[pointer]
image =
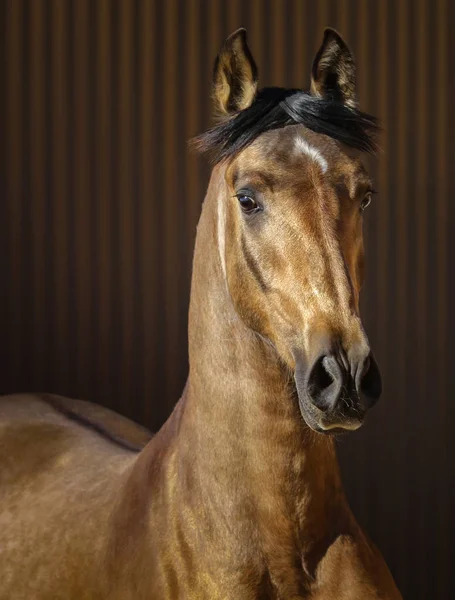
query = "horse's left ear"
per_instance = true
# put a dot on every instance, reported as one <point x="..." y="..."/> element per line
<point x="234" y="75"/>
<point x="333" y="71"/>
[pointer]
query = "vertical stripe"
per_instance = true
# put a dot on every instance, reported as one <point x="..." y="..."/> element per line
<point x="170" y="224"/>
<point x="81" y="237"/>
<point x="60" y="133"/>
<point x="92" y="214"/>
<point x="26" y="298"/>
<point x="126" y="266"/>
<point x="421" y="140"/>
<point x="277" y="42"/>
<point x="115" y="323"/>
<point x="37" y="135"/>
<point x="401" y="216"/>
<point x="49" y="271"/>
<point x="137" y="307"/>
<point x="344" y="21"/>
<point x="103" y="197"/>
<point x="14" y="155"/>
<point x="149" y="247"/>
<point x="300" y="76"/>
<point x="443" y="364"/>
<point x="257" y="37"/>
<point x="233" y="16"/>
<point x="322" y="17"/>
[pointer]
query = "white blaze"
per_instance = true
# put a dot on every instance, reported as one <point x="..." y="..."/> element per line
<point x="312" y="152"/>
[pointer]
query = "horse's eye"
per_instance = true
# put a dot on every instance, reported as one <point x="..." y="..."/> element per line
<point x="366" y="201"/>
<point x="248" y="204"/>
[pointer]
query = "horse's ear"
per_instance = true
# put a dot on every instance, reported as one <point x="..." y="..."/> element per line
<point x="333" y="71"/>
<point x="234" y="75"/>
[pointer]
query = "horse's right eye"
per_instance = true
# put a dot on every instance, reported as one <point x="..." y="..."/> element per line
<point x="247" y="203"/>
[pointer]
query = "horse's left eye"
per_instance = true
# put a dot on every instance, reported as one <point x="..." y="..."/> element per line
<point x="366" y="201"/>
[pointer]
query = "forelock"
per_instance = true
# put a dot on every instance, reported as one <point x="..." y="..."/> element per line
<point x="275" y="108"/>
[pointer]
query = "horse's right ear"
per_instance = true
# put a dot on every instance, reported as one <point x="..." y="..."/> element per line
<point x="333" y="71"/>
<point x="234" y="76"/>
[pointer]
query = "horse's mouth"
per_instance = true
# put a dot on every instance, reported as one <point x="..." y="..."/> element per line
<point x="331" y="423"/>
<point x="339" y="427"/>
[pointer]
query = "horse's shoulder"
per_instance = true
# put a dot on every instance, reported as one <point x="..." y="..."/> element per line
<point x="110" y="425"/>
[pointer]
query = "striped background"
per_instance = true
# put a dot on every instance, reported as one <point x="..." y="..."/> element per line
<point x="101" y="201"/>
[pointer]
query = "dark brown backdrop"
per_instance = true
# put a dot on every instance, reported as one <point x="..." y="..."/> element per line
<point x="101" y="200"/>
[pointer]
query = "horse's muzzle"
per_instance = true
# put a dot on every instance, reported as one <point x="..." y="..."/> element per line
<point x="335" y="391"/>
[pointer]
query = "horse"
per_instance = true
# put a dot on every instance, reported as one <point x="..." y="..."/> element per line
<point x="238" y="496"/>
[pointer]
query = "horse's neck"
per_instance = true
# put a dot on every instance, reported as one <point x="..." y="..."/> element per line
<point x="235" y="487"/>
<point x="249" y="445"/>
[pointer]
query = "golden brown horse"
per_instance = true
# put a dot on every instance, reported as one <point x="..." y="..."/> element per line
<point x="238" y="496"/>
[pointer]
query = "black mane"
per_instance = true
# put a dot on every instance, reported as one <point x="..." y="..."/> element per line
<point x="274" y="108"/>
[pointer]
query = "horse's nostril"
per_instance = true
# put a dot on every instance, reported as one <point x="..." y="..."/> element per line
<point x="366" y="367"/>
<point x="370" y="380"/>
<point x="337" y="389"/>
<point x="320" y="378"/>
<point x="321" y="382"/>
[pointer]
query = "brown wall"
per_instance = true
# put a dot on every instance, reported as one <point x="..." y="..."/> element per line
<point x="101" y="201"/>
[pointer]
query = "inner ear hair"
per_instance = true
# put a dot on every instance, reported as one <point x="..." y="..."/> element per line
<point x="333" y="75"/>
<point x="234" y="76"/>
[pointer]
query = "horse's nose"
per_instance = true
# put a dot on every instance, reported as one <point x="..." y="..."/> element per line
<point x="336" y="384"/>
<point x="368" y="381"/>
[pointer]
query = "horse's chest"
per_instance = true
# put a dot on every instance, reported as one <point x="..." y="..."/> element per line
<point x="211" y="580"/>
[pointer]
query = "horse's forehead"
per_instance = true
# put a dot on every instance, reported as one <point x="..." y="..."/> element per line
<point x="298" y="149"/>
